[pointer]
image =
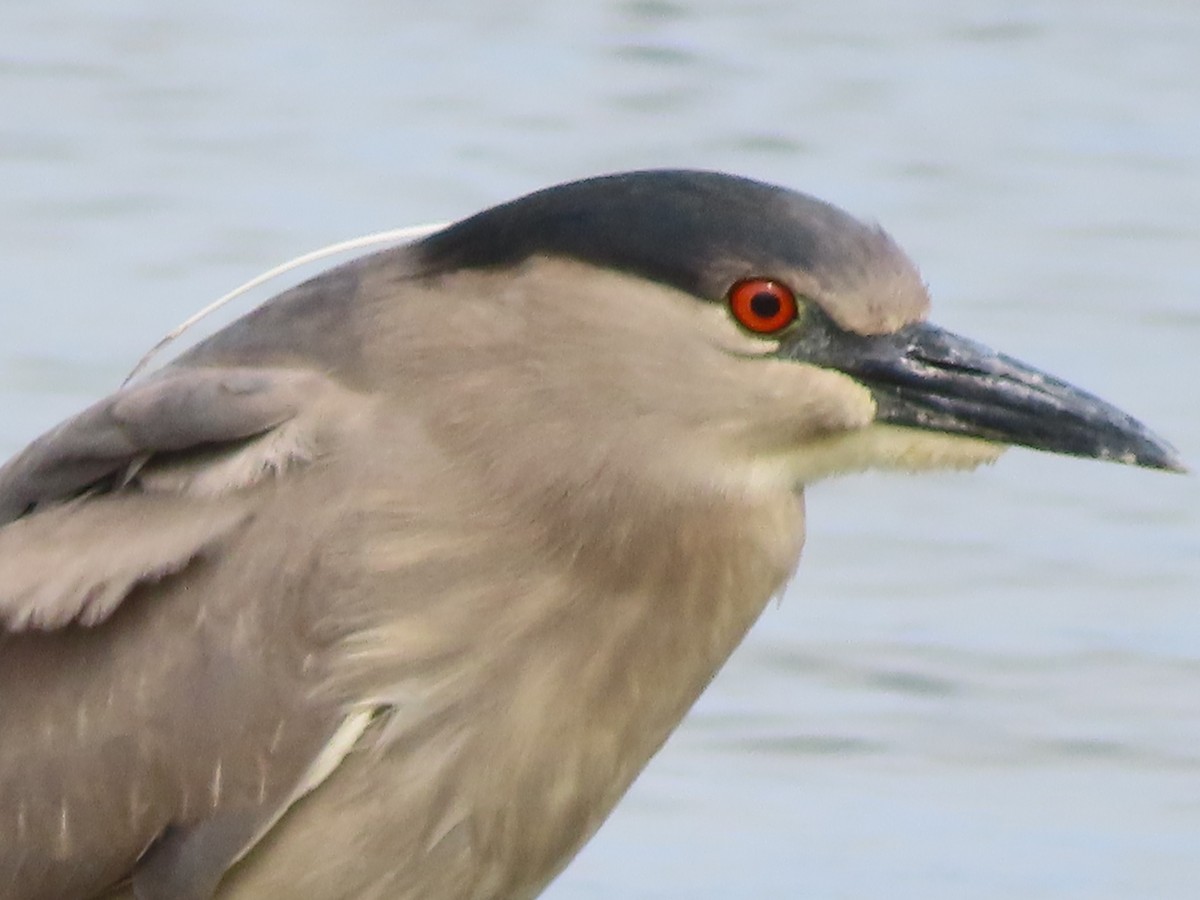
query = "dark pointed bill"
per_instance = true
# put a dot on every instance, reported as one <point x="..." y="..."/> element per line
<point x="925" y="377"/>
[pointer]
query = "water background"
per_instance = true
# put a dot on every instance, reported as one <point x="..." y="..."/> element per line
<point x="979" y="686"/>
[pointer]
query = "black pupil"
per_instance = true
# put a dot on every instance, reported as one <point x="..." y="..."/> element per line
<point x="765" y="305"/>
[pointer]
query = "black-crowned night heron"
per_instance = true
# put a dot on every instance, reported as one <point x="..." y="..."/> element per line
<point x="390" y="588"/>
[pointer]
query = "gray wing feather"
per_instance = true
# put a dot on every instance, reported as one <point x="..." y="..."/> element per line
<point x="77" y="562"/>
<point x="130" y="494"/>
<point x="189" y="863"/>
<point x="92" y="509"/>
<point x="179" y="410"/>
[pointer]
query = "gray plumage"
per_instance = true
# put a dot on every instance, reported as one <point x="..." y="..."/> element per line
<point x="392" y="587"/>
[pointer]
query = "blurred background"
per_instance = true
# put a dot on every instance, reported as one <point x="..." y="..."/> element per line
<point x="982" y="686"/>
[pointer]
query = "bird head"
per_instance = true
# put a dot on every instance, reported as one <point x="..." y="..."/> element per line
<point x="788" y="333"/>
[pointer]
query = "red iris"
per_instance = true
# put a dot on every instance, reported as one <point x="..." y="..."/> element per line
<point x="762" y="305"/>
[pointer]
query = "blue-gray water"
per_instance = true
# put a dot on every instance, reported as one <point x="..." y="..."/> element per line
<point x="979" y="686"/>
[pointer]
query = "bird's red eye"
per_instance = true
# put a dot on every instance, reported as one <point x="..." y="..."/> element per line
<point x="762" y="305"/>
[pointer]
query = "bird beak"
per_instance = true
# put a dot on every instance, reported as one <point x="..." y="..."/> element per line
<point x="925" y="377"/>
